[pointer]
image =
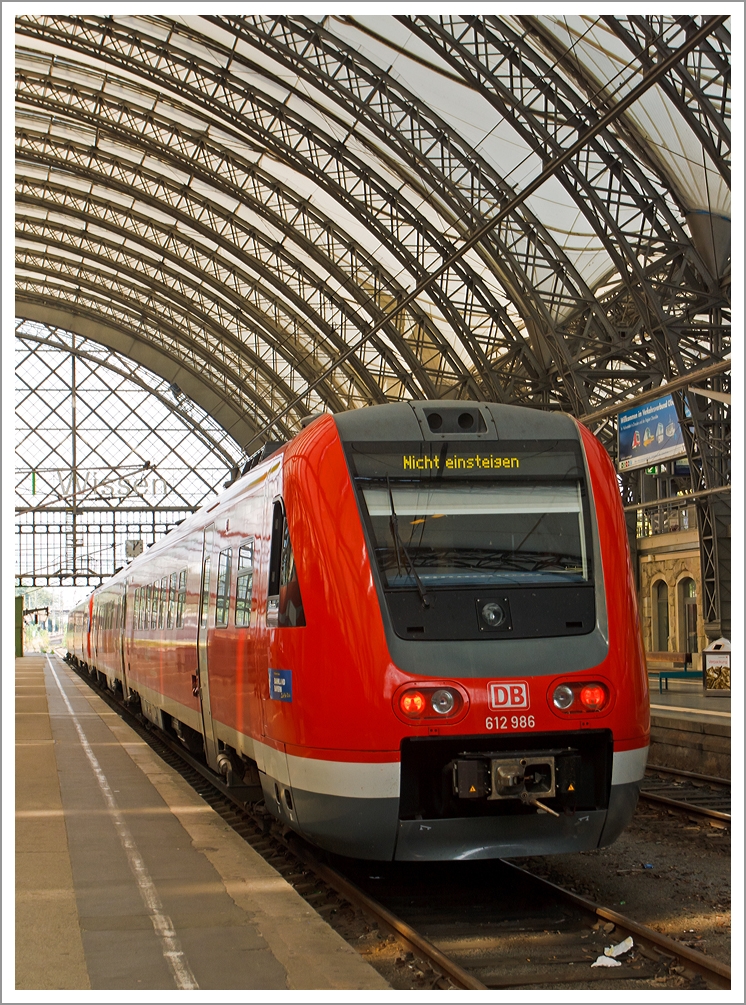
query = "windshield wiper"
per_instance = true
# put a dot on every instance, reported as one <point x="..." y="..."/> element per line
<point x="399" y="546"/>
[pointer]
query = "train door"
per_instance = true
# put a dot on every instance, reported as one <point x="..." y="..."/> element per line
<point x="284" y="610"/>
<point x="122" y="626"/>
<point x="88" y="628"/>
<point x="206" y="615"/>
<point x="271" y="716"/>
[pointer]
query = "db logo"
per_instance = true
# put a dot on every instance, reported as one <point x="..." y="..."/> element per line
<point x="508" y="694"/>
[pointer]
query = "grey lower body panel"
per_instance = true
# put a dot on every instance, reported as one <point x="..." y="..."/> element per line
<point x="371" y="829"/>
<point x="358" y="828"/>
<point x="463" y="839"/>
<point x="622" y="805"/>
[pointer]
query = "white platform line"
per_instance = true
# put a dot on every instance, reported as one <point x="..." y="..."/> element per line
<point x="694" y="711"/>
<point x="162" y="924"/>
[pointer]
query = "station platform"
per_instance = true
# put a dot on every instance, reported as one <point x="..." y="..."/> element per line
<point x="126" y="879"/>
<point x="688" y="729"/>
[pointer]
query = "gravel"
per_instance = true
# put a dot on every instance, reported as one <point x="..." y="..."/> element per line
<point x="668" y="871"/>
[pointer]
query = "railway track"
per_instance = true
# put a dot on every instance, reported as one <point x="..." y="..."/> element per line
<point x="470" y="925"/>
<point x="702" y="795"/>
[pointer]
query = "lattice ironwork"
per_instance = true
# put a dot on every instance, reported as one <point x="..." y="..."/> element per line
<point x="105" y="453"/>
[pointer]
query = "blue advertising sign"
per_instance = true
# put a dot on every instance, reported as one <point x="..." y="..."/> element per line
<point x="649" y="434"/>
<point x="281" y="685"/>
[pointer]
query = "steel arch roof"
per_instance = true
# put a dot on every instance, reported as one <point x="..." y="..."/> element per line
<point x="236" y="201"/>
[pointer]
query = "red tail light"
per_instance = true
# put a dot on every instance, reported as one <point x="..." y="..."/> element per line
<point x="573" y="697"/>
<point x="593" y="697"/>
<point x="412" y="703"/>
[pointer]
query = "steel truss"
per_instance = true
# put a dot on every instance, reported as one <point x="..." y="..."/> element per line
<point x="106" y="453"/>
<point x="240" y="198"/>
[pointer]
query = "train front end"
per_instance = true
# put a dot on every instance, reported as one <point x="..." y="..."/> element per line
<point x="502" y="667"/>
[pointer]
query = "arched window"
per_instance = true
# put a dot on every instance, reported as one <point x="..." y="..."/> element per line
<point x="661" y="621"/>
<point x="688" y="615"/>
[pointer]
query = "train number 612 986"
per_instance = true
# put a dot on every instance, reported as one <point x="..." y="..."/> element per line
<point x="509" y="722"/>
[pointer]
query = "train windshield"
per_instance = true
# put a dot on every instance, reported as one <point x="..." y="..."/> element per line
<point x="470" y="534"/>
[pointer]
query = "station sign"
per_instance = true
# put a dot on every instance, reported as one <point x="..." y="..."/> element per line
<point x="649" y="434"/>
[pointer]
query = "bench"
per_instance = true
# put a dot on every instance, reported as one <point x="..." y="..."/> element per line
<point x="682" y="660"/>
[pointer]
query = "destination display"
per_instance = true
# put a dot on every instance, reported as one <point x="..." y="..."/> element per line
<point x="559" y="458"/>
<point x="649" y="434"/>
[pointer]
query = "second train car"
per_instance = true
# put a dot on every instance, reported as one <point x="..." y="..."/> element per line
<point x="414" y="626"/>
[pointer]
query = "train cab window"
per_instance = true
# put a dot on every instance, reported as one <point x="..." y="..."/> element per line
<point x="181" y="602"/>
<point x="448" y="535"/>
<point x="172" y="595"/>
<point x="244" y="583"/>
<point x="284" y="603"/>
<point x="224" y="588"/>
<point x="499" y="537"/>
<point x="163" y="602"/>
<point x="204" y="602"/>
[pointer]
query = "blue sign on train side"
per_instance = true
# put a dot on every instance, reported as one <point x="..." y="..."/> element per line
<point x="649" y="434"/>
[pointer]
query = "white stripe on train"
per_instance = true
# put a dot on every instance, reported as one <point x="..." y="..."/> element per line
<point x="381" y="779"/>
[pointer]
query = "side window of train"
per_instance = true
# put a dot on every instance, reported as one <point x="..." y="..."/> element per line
<point x="284" y="603"/>
<point x="163" y="602"/>
<point x="224" y="588"/>
<point x="181" y="603"/>
<point x="154" y="592"/>
<point x="204" y="602"/>
<point x="172" y="594"/>
<point x="244" y="583"/>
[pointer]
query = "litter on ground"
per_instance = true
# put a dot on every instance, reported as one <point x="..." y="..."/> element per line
<point x="611" y="952"/>
<point x="620" y="948"/>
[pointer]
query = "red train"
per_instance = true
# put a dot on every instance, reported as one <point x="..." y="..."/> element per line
<point x="414" y="625"/>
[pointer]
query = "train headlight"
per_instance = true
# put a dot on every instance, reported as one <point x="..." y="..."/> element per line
<point x="493" y="615"/>
<point x="443" y="701"/>
<point x="563" y="696"/>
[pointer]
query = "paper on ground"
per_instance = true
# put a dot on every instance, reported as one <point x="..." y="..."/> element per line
<point x="620" y="948"/>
